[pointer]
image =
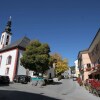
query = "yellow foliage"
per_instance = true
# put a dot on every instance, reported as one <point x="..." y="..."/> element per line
<point x="56" y="56"/>
<point x="61" y="66"/>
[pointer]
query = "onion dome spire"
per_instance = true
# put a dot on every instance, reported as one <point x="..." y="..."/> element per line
<point x="8" y="26"/>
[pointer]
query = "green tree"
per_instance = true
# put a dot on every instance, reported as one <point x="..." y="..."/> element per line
<point x="36" y="57"/>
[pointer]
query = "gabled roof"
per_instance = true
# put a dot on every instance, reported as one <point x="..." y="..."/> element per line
<point x="22" y="43"/>
<point x="82" y="52"/>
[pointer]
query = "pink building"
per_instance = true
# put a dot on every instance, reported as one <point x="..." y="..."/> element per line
<point x="84" y="63"/>
<point x="88" y="59"/>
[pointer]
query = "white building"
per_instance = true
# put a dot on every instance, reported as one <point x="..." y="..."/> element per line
<point x="10" y="54"/>
<point x="67" y="73"/>
<point x="76" y="68"/>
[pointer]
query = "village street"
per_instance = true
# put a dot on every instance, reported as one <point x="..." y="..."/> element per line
<point x="64" y="90"/>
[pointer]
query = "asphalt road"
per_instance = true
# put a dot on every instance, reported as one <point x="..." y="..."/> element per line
<point x="63" y="90"/>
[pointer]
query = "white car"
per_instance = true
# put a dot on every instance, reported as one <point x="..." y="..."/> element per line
<point x="74" y="78"/>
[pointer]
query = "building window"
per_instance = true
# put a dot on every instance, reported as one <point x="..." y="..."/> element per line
<point x="7" y="40"/>
<point x="88" y="65"/>
<point x="0" y="60"/>
<point x="92" y="53"/>
<point x="7" y="71"/>
<point x="99" y="61"/>
<point x="9" y="58"/>
<point x="97" y="48"/>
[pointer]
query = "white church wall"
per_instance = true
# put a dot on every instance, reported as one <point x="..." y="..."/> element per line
<point x="11" y="66"/>
<point x="20" y="70"/>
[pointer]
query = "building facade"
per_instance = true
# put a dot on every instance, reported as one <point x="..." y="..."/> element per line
<point x="94" y="49"/>
<point x="84" y="63"/>
<point x="88" y="59"/>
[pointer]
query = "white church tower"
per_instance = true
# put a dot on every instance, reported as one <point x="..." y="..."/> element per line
<point x="6" y="35"/>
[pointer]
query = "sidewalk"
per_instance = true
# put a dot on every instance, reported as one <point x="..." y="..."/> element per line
<point x="80" y="93"/>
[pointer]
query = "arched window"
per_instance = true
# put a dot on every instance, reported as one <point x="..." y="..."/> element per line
<point x="7" y="40"/>
<point x="9" y="58"/>
<point x="7" y="71"/>
<point x="0" y="59"/>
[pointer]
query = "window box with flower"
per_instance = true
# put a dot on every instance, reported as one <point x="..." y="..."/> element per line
<point x="88" y="69"/>
<point x="81" y="70"/>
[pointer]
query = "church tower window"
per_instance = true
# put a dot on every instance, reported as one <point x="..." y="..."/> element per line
<point x="7" y="40"/>
<point x="9" y="58"/>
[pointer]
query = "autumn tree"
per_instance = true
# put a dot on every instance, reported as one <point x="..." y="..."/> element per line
<point x="56" y="56"/>
<point x="36" y="57"/>
<point x="61" y="64"/>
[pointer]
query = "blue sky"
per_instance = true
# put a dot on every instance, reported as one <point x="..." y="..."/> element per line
<point x="68" y="26"/>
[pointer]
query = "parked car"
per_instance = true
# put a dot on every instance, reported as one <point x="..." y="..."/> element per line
<point x="74" y="78"/>
<point x="17" y="79"/>
<point x="4" y="80"/>
<point x="22" y="79"/>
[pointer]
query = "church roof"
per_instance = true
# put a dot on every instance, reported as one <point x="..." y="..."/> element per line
<point x="22" y="43"/>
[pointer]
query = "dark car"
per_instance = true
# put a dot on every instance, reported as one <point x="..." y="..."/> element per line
<point x="17" y="79"/>
<point x="4" y="80"/>
<point x="29" y="78"/>
<point x="22" y="79"/>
